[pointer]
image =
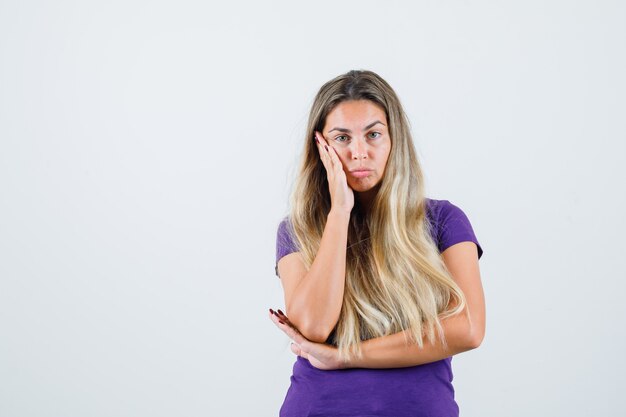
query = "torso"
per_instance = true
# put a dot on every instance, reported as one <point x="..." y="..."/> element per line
<point x="416" y="391"/>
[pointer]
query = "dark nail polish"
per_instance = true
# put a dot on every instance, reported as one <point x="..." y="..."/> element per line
<point x="326" y="146"/>
<point x="281" y="322"/>
<point x="271" y="311"/>
<point x="281" y="312"/>
<point x="275" y="313"/>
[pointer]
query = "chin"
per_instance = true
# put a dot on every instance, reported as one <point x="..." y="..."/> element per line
<point x="362" y="186"/>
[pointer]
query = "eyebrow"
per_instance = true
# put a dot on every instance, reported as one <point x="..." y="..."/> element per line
<point x="344" y="130"/>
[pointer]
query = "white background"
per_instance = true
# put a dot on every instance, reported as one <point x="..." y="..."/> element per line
<point x="146" y="153"/>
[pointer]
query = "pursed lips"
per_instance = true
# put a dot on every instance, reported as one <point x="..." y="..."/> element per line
<point x="360" y="172"/>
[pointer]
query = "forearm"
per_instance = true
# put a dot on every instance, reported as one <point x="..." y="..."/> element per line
<point x="393" y="351"/>
<point x="461" y="332"/>
<point x="316" y="302"/>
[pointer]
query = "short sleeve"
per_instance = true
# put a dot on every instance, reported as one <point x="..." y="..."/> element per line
<point x="285" y="241"/>
<point x="454" y="227"/>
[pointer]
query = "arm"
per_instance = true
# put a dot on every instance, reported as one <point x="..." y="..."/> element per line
<point x="313" y="298"/>
<point x="392" y="351"/>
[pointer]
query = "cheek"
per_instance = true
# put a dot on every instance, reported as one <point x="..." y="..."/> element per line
<point x="342" y="156"/>
<point x="384" y="159"/>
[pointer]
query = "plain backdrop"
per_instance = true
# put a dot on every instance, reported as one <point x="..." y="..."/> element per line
<point x="147" y="149"/>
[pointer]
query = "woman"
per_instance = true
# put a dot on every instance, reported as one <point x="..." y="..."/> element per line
<point x="381" y="284"/>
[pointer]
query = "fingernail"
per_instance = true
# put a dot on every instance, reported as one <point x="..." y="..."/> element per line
<point x="281" y="312"/>
<point x="326" y="146"/>
<point x="275" y="313"/>
<point x="281" y="322"/>
<point x="271" y="311"/>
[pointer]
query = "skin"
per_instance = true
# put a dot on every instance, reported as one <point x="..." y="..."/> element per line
<point x="356" y="132"/>
<point x="352" y="139"/>
<point x="392" y="351"/>
<point x="356" y="137"/>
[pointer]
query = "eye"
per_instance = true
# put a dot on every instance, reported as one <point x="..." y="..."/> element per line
<point x="375" y="135"/>
<point x="339" y="138"/>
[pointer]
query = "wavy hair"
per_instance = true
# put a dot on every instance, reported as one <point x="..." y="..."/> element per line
<point x="396" y="279"/>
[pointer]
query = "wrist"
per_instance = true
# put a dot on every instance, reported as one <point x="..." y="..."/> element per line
<point x="339" y="214"/>
<point x="355" y="360"/>
<point x="350" y="362"/>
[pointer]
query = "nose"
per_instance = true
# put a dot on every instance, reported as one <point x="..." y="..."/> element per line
<point x="359" y="149"/>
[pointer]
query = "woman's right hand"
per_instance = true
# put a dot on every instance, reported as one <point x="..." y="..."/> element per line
<point x="341" y="195"/>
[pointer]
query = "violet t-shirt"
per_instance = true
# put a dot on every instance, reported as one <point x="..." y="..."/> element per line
<point x="416" y="391"/>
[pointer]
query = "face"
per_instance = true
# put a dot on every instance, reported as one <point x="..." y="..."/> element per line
<point x="358" y="132"/>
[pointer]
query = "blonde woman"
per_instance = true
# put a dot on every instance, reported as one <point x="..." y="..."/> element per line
<point x="382" y="285"/>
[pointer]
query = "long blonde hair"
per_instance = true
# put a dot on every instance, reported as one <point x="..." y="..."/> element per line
<point x="395" y="276"/>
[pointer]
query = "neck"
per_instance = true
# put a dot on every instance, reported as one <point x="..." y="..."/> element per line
<point x="366" y="198"/>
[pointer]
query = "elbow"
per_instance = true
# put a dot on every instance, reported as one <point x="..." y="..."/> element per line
<point x="474" y="342"/>
<point x="475" y="339"/>
<point x="310" y="329"/>
<point x="317" y="334"/>
<point x="318" y="337"/>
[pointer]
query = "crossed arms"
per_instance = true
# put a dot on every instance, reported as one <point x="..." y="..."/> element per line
<point x="313" y="302"/>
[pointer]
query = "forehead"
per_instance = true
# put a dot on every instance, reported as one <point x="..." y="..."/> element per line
<point x="355" y="113"/>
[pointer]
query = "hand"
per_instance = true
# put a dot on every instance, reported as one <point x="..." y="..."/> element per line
<point x="341" y="195"/>
<point x="320" y="355"/>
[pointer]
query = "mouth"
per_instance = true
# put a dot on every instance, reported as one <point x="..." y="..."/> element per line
<point x="361" y="173"/>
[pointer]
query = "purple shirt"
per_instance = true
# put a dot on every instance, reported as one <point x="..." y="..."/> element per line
<point x="416" y="391"/>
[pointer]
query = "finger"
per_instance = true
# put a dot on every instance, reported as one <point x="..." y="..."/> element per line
<point x="291" y="332"/>
<point x="282" y="317"/>
<point x="285" y="326"/>
<point x="334" y="158"/>
<point x="273" y="313"/>
<point x="283" y="323"/>
<point x="323" y="150"/>
<point x="320" y="138"/>
<point x="298" y="351"/>
<point x="274" y="319"/>
<point x="289" y="328"/>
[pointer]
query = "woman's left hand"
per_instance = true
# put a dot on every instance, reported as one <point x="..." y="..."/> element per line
<point x="320" y="355"/>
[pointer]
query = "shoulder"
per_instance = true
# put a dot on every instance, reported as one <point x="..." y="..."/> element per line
<point x="450" y="224"/>
<point x="284" y="226"/>
<point x="436" y="208"/>
<point x="442" y="208"/>
<point x="286" y="241"/>
<point x="285" y="231"/>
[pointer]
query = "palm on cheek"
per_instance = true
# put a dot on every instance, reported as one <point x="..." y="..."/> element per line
<point x="320" y="355"/>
